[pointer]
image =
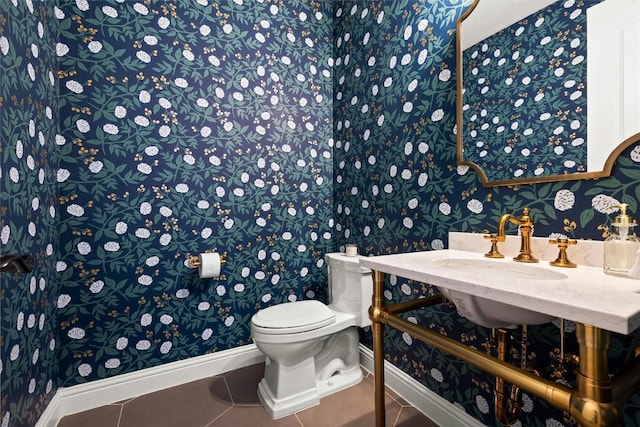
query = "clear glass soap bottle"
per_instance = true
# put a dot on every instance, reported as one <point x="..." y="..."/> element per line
<point x="621" y="247"/>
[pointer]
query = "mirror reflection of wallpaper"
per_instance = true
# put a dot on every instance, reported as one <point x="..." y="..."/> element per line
<point x="525" y="96"/>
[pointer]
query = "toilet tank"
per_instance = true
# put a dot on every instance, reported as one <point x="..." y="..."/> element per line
<point x="350" y="286"/>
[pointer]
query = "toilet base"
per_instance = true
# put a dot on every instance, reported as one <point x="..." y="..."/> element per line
<point x="278" y="408"/>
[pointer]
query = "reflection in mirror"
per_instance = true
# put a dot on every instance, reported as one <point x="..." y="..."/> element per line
<point x="523" y="110"/>
<point x="613" y="77"/>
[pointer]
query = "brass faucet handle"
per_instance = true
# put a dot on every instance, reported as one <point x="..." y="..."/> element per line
<point x="494" y="252"/>
<point x="563" y="260"/>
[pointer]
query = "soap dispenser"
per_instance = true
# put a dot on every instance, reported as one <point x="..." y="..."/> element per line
<point x="621" y="246"/>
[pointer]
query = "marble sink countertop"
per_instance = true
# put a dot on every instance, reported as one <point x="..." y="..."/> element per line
<point x="586" y="295"/>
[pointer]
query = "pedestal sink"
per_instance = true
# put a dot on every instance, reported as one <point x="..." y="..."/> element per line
<point x="489" y="313"/>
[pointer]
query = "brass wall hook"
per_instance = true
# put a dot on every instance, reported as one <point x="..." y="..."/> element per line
<point x="563" y="260"/>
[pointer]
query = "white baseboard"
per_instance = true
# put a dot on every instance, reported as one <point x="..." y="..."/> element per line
<point x="437" y="408"/>
<point x="82" y="397"/>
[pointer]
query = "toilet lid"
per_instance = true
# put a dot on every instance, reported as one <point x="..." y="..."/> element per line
<point x="294" y="317"/>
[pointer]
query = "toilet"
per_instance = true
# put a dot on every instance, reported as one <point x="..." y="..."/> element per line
<point x="311" y="348"/>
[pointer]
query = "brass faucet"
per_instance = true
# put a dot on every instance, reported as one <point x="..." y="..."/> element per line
<point x="526" y="223"/>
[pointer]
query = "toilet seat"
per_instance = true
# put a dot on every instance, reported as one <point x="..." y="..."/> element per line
<point x="293" y="317"/>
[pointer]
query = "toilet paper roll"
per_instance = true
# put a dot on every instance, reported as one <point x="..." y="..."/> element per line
<point x="209" y="265"/>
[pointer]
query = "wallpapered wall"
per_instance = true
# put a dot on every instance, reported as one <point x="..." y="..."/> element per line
<point x="398" y="188"/>
<point x="207" y="125"/>
<point x="526" y="85"/>
<point x="188" y="127"/>
<point x="28" y="209"/>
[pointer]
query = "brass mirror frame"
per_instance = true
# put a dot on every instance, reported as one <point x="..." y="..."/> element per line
<point x="608" y="166"/>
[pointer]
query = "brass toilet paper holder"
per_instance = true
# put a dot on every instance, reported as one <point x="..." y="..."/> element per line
<point x="194" y="261"/>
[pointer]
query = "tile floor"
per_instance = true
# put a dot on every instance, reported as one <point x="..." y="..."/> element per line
<point x="231" y="400"/>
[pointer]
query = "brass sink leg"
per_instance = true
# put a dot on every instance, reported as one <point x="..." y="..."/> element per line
<point x="592" y="404"/>
<point x="377" y="327"/>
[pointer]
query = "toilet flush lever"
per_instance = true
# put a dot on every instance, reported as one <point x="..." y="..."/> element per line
<point x="16" y="263"/>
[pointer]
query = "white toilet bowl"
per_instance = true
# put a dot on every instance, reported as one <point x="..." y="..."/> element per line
<point x="312" y="349"/>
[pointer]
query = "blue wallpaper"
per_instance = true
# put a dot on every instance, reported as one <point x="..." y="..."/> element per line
<point x="273" y="132"/>
<point x="28" y="209"/>
<point x="525" y="99"/>
<point x="398" y="189"/>
<point x="188" y="127"/>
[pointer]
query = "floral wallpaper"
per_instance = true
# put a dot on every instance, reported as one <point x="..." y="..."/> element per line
<point x="524" y="85"/>
<point x="270" y="131"/>
<point x="28" y="209"/>
<point x="398" y="189"/>
<point x="188" y="127"/>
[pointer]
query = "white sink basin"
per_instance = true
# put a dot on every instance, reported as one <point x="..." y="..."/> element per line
<point x="506" y="271"/>
<point x="492" y="314"/>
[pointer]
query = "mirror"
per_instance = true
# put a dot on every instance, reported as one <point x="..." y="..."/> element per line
<point x="542" y="99"/>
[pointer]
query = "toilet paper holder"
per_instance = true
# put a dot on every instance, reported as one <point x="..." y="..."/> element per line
<point x="194" y="261"/>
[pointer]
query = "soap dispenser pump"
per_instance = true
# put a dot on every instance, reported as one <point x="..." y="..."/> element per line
<point x="621" y="246"/>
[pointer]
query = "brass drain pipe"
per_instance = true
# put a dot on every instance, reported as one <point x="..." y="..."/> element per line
<point x="507" y="407"/>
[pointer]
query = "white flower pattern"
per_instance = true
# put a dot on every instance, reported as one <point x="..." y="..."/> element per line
<point x="119" y="185"/>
